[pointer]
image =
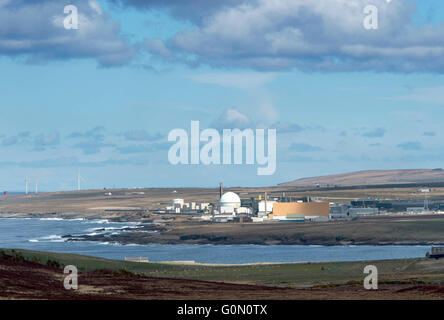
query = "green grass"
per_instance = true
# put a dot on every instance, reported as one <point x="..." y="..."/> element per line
<point x="276" y="274"/>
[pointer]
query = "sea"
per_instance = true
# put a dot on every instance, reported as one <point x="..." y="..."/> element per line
<point x="47" y="234"/>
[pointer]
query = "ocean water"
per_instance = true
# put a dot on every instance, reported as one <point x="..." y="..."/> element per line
<point x="46" y="235"/>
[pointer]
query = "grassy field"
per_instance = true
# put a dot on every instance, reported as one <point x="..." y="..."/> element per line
<point x="39" y="276"/>
<point x="286" y="275"/>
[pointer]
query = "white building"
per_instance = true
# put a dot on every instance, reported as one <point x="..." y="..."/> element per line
<point x="415" y="210"/>
<point x="229" y="203"/>
<point x="261" y="208"/>
<point x="178" y="202"/>
<point x="244" y="210"/>
<point x="363" y="212"/>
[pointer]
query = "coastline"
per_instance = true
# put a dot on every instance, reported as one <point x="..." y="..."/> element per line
<point x="140" y="238"/>
<point x="153" y="230"/>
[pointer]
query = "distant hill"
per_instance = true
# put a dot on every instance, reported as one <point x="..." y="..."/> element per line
<point x="372" y="177"/>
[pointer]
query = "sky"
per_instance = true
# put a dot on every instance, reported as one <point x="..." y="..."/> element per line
<point x="101" y="100"/>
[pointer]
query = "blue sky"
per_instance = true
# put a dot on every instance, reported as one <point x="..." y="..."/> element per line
<point x="102" y="99"/>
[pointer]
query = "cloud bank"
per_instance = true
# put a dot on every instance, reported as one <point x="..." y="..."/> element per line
<point x="34" y="31"/>
<point x="322" y="35"/>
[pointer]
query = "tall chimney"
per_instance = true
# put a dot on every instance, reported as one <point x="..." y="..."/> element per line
<point x="265" y="196"/>
<point x="221" y="189"/>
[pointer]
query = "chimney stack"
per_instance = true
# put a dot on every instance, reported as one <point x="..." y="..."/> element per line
<point x="221" y="190"/>
<point x="265" y="198"/>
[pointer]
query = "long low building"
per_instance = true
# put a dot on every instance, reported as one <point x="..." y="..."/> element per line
<point x="300" y="211"/>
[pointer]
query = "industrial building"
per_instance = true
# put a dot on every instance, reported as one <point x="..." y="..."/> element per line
<point x="179" y="206"/>
<point x="231" y="208"/>
<point x="229" y="203"/>
<point x="415" y="210"/>
<point x="301" y="211"/>
<point x="339" y="212"/>
<point x="265" y="208"/>
<point x="261" y="208"/>
<point x="360" y="212"/>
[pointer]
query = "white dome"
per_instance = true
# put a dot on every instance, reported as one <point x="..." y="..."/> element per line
<point x="230" y="199"/>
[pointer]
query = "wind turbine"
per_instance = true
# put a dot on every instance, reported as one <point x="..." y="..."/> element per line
<point x="36" y="185"/>
<point x="79" y="177"/>
<point x="26" y="185"/>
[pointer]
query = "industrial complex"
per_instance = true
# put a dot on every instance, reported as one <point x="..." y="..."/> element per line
<point x="272" y="207"/>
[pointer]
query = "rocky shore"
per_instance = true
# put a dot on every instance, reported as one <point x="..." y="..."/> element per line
<point x="365" y="232"/>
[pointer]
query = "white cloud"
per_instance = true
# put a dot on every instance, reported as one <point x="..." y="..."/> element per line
<point x="326" y="35"/>
<point x="232" y="119"/>
<point x="96" y="6"/>
<point x="34" y="30"/>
